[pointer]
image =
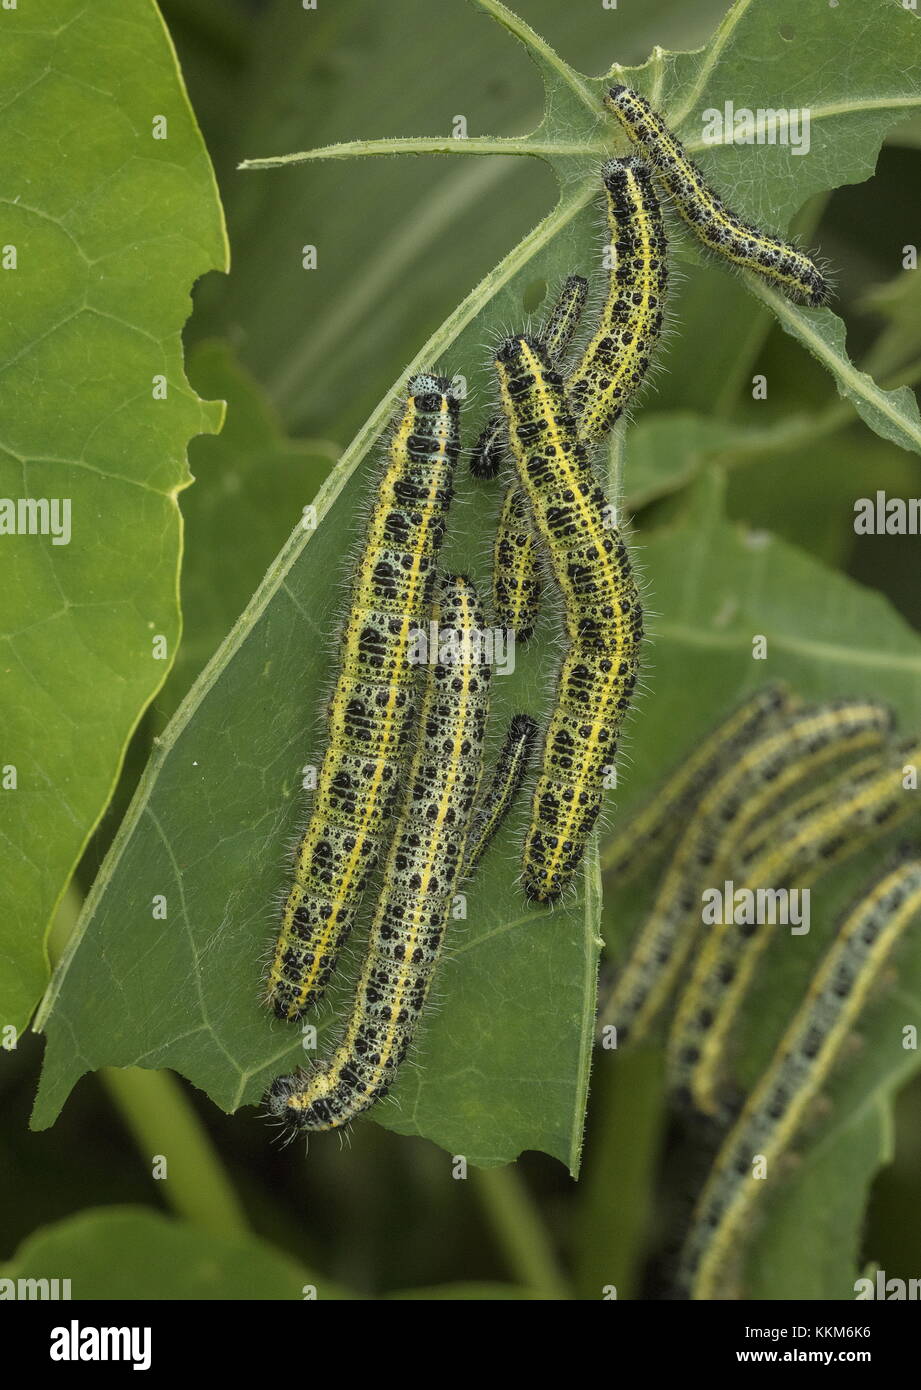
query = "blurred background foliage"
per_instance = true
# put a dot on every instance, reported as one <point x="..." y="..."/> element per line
<point x="301" y="361"/>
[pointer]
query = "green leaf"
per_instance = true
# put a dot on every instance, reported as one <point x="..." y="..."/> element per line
<point x="251" y="484"/>
<point x="110" y="227"/>
<point x="717" y="585"/>
<point x="133" y="1253"/>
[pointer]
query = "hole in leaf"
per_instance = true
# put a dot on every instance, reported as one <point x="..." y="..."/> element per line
<point x="534" y="296"/>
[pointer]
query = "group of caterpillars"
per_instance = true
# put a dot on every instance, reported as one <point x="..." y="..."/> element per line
<point x="402" y="771"/>
<point x="751" y="808"/>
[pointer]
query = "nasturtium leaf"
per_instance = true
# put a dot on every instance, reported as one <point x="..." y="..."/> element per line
<point x="109" y="215"/>
<point x="133" y="1253"/>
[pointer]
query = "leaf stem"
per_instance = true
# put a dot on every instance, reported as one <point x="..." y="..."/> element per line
<point x="163" y="1122"/>
<point x="519" y="1231"/>
<point x="432" y="144"/>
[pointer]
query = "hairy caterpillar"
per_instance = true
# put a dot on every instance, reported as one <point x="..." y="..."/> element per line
<point x="616" y="358"/>
<point x="420" y="875"/>
<point x="370" y="715"/>
<point x="720" y="229"/>
<point x="656" y="826"/>
<point x="511" y="767"/>
<point x="604" y="618"/>
<point x="806" y="740"/>
<point x="796" y="1073"/>
<point x="517" y="581"/>
<point x="556" y="335"/>
<point x="812" y="840"/>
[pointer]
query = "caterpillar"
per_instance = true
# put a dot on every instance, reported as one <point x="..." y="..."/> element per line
<point x="604" y="619"/>
<point x="508" y="775"/>
<point x="616" y="359"/>
<point x="517" y="581"/>
<point x="811" y="841"/>
<point x="796" y="1073"/>
<point x="657" y="824"/>
<point x="420" y="875"/>
<point x="806" y="740"/>
<point x="370" y="714"/>
<point x="556" y="335"/>
<point x="715" y="225"/>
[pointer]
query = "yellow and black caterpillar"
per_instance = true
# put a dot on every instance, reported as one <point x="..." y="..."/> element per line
<point x="420" y="875"/>
<point x="799" y="1068"/>
<point x="371" y="712"/>
<point x="748" y="786"/>
<point x="604" y="619"/>
<point x="720" y="229"/>
<point x="616" y="359"/>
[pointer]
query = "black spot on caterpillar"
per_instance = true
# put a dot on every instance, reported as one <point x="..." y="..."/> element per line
<point x="604" y="618"/>
<point x="371" y="712"/>
<point x="419" y="879"/>
<point x="720" y="229"/>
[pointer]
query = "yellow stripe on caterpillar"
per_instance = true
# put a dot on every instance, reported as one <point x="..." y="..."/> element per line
<point x="371" y="712"/>
<point x="795" y="1075"/>
<point x="419" y="879"/>
<point x="716" y="226"/>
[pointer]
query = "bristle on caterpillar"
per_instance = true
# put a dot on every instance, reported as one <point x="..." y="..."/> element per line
<point x="757" y="776"/>
<point x="798" y="1070"/>
<point x="420" y="875"/>
<point x="716" y="226"/>
<point x="617" y="356"/>
<point x="505" y="783"/>
<point x="371" y="711"/>
<point x="604" y="619"/>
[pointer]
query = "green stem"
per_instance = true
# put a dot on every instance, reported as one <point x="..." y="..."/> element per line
<point x="163" y="1122"/>
<point x="519" y="1231"/>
